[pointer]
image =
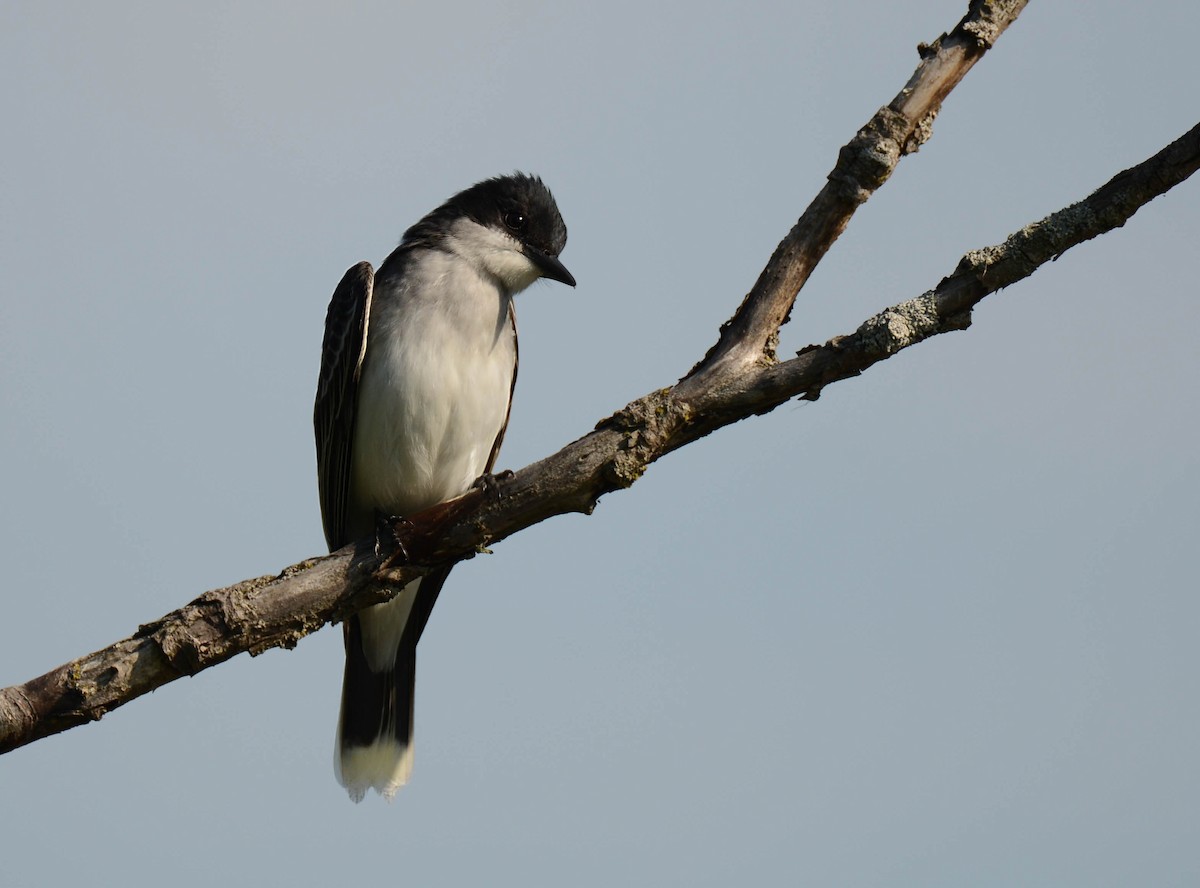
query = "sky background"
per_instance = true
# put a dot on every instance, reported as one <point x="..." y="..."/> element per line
<point x="937" y="629"/>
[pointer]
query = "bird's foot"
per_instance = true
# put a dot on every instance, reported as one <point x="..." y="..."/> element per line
<point x="489" y="484"/>
<point x="387" y="540"/>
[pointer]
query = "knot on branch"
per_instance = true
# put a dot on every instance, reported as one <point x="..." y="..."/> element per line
<point x="987" y="20"/>
<point x="930" y="50"/>
<point x="648" y="426"/>
<point x="867" y="160"/>
<point x="185" y="644"/>
<point x="900" y="326"/>
<point x="978" y="263"/>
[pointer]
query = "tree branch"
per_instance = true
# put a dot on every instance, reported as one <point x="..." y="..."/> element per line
<point x="863" y="166"/>
<point x="741" y="380"/>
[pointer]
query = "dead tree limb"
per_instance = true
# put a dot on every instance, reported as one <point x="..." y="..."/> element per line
<point x="738" y="378"/>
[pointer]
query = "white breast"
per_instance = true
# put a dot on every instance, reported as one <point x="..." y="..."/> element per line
<point x="434" y="390"/>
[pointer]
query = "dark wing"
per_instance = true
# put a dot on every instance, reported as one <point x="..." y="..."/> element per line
<point x="337" y="390"/>
<point x="512" y="319"/>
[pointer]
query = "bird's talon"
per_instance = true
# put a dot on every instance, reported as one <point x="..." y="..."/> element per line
<point x="489" y="484"/>
<point x="385" y="528"/>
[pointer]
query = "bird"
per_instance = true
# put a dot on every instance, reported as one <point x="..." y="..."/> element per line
<point x="418" y="369"/>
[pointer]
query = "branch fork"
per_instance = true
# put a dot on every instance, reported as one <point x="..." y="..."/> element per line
<point x="739" y="377"/>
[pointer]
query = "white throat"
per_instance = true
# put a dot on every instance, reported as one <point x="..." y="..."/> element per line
<point x="495" y="253"/>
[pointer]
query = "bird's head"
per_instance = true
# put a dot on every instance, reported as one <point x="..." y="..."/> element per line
<point x="509" y="227"/>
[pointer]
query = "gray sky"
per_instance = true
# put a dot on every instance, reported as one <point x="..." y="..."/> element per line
<point x="937" y="629"/>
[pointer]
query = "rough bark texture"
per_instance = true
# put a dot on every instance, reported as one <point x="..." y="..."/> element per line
<point x="739" y="377"/>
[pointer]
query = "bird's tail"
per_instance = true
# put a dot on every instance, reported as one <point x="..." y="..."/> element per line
<point x="375" y="726"/>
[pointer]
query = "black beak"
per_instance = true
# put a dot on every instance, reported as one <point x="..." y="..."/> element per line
<point x="551" y="267"/>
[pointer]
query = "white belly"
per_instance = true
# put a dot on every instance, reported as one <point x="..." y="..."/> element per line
<point x="433" y="396"/>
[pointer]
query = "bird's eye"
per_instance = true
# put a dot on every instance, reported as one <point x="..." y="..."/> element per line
<point x="515" y="220"/>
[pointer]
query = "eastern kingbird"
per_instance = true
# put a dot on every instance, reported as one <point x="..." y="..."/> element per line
<point x="417" y="373"/>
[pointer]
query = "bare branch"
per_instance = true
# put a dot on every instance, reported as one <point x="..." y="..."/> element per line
<point x="863" y="166"/>
<point x="268" y="612"/>
<point x="979" y="273"/>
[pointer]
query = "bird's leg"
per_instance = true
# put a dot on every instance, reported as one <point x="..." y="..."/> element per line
<point x="489" y="484"/>
<point x="385" y="529"/>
